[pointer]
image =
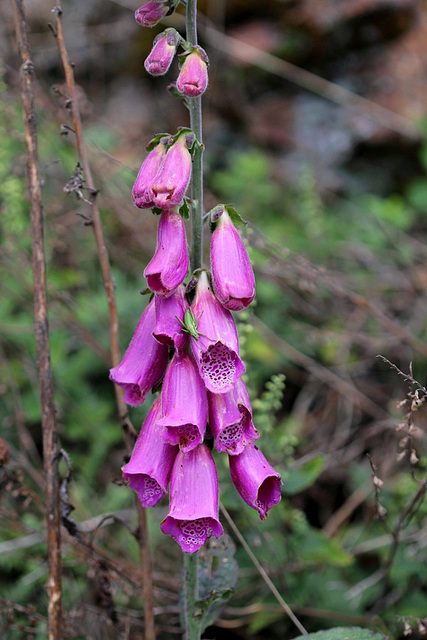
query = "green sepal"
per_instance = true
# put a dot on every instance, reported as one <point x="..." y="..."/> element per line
<point x="217" y="212"/>
<point x="163" y="138"/>
<point x="145" y="292"/>
<point x="235" y="217"/>
<point x="194" y="280"/>
<point x="157" y="211"/>
<point x="191" y="48"/>
<point x="184" y="210"/>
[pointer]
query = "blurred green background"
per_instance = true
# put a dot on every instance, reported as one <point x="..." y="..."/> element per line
<point x="334" y="190"/>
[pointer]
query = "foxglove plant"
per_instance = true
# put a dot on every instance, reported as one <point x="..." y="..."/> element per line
<point x="195" y="347"/>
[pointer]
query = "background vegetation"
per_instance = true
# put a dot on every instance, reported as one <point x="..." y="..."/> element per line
<point x="336" y="198"/>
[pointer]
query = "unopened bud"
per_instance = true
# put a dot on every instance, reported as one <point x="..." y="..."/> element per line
<point x="193" y="76"/>
<point x="161" y="55"/>
<point x="153" y="11"/>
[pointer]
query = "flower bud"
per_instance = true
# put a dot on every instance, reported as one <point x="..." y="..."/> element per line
<point x="153" y="11"/>
<point x="169" y="265"/>
<point x="216" y="348"/>
<point x="255" y="479"/>
<point x="148" y="171"/>
<point x="193" y="511"/>
<point x="168" y="188"/>
<point x="232" y="276"/>
<point x="144" y="362"/>
<point x="149" y="468"/>
<point x="161" y="55"/>
<point x="184" y="403"/>
<point x="230" y="419"/>
<point x="193" y="76"/>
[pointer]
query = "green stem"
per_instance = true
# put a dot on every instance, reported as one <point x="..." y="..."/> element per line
<point x="195" y="108"/>
<point x="196" y="259"/>
<point x="190" y="596"/>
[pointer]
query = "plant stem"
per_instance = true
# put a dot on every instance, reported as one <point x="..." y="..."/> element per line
<point x="195" y="108"/>
<point x="190" y="596"/>
<point x="190" y="578"/>
<point x="41" y="330"/>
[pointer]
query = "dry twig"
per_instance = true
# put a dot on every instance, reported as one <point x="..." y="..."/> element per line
<point x="50" y="447"/>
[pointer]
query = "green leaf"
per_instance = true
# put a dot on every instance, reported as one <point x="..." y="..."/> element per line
<point x="297" y="479"/>
<point x="343" y="633"/>
<point x="217" y="573"/>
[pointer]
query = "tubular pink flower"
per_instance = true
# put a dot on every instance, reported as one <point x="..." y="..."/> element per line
<point x="255" y="479"/>
<point x="232" y="276"/>
<point x="193" y="76"/>
<point x="152" y="12"/>
<point x="144" y="362"/>
<point x="168" y="329"/>
<point x="149" y="468"/>
<point x="230" y="419"/>
<point x="193" y="511"/>
<point x="184" y="403"/>
<point x="169" y="265"/>
<point x="168" y="188"/>
<point x="217" y="348"/>
<point x="148" y="171"/>
<point x="161" y="55"/>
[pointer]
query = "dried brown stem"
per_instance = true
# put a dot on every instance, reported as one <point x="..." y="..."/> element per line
<point x="128" y="430"/>
<point x="41" y="330"/>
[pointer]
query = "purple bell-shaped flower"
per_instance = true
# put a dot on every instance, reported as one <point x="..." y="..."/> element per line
<point x="169" y="265"/>
<point x="255" y="479"/>
<point x="232" y="275"/>
<point x="184" y="403"/>
<point x="230" y="419"/>
<point x="169" y="312"/>
<point x="144" y="362"/>
<point x="216" y="348"/>
<point x="149" y="169"/>
<point x="193" y="511"/>
<point x="149" y="468"/>
<point x="168" y="188"/>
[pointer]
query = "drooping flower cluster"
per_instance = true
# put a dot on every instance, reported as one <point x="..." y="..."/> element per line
<point x="186" y="342"/>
